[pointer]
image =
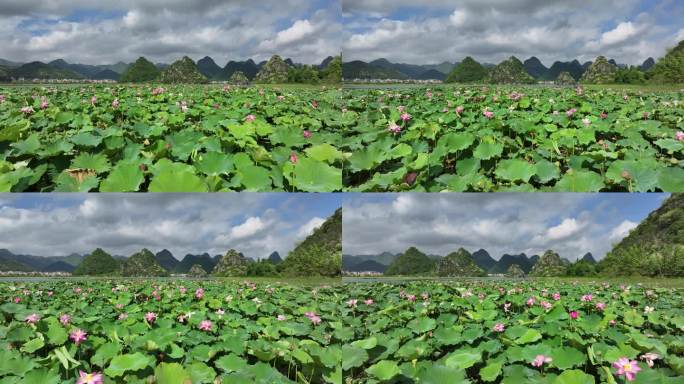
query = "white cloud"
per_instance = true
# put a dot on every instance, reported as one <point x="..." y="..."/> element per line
<point x="164" y="31"/>
<point x="250" y="227"/>
<point x="622" y="32"/>
<point x="566" y="228"/>
<point x="309" y="227"/>
<point x="621" y="231"/>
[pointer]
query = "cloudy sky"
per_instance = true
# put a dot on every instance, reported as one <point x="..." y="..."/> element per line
<point x="571" y="223"/>
<point x="432" y="31"/>
<point x="108" y="31"/>
<point x="253" y="223"/>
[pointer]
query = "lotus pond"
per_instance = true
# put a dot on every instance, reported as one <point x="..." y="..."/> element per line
<point x="180" y="138"/>
<point x="168" y="332"/>
<point x="513" y="332"/>
<point x="514" y="139"/>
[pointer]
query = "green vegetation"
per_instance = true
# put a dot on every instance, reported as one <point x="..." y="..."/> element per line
<point x="492" y="331"/>
<point x="238" y="78"/>
<point x="654" y="248"/>
<point x="171" y="139"/>
<point x="275" y="71"/>
<point x="320" y="254"/>
<point x="233" y="263"/>
<point x="631" y="75"/>
<point x="514" y="271"/>
<point x="459" y="263"/>
<point x="564" y="78"/>
<point x="669" y="68"/>
<point x="467" y="71"/>
<point x="513" y="138"/>
<point x="549" y="265"/>
<point x="171" y="332"/>
<point x="142" y="264"/>
<point x="411" y="262"/>
<point x="600" y="72"/>
<point x="197" y="271"/>
<point x="183" y="71"/>
<point x="97" y="263"/>
<point x="510" y="71"/>
<point x="141" y="71"/>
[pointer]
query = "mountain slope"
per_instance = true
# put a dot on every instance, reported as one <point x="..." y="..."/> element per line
<point x="139" y="72"/>
<point x="670" y="68"/>
<point x="655" y="247"/>
<point x="166" y="260"/>
<point x="38" y="70"/>
<point x="98" y="262"/>
<point x="483" y="259"/>
<point x="204" y="260"/>
<point x="459" y="263"/>
<point x="411" y="262"/>
<point x="361" y="70"/>
<point x="534" y="67"/>
<point x="507" y="260"/>
<point x="510" y="71"/>
<point x="142" y="264"/>
<point x="183" y="71"/>
<point x="320" y="254"/>
<point x="208" y="67"/>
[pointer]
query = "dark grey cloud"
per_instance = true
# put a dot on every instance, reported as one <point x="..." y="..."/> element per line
<point x="58" y="224"/>
<point x="109" y="31"/>
<point x="492" y="30"/>
<point x="500" y="223"/>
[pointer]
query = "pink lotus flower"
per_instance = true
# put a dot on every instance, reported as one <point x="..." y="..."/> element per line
<point x="158" y="91"/>
<point x="44" y="103"/>
<point x="199" y="293"/>
<point x="151" y="317"/>
<point x="2" y="99"/>
<point x="65" y="319"/>
<point x="182" y="290"/>
<point x="424" y="296"/>
<point x="93" y="100"/>
<point x="625" y="97"/>
<point x="405" y="117"/>
<point x="115" y="103"/>
<point x="556" y="296"/>
<point x="293" y="158"/>
<point x="570" y="112"/>
<point x="205" y="325"/>
<point x="603" y="115"/>
<point x="281" y="97"/>
<point x="649" y="358"/>
<point x="401" y="109"/>
<point x="281" y="318"/>
<point x="89" y="378"/>
<point x="645" y="115"/>
<point x="586" y="121"/>
<point x="488" y="114"/>
<point x="220" y="312"/>
<point x="314" y="104"/>
<point x="546" y="305"/>
<point x="250" y="118"/>
<point x="122" y="316"/>
<point x="574" y="315"/>
<point x="394" y="128"/>
<point x="612" y="322"/>
<point x="352" y="303"/>
<point x="27" y="110"/>
<point x="183" y="106"/>
<point x="368" y="301"/>
<point x="307" y="134"/>
<point x="315" y="319"/>
<point x="32" y="318"/>
<point x="541" y="360"/>
<point x="507" y="307"/>
<point x="679" y="136"/>
<point x="459" y="109"/>
<point x="627" y="368"/>
<point x="601" y="306"/>
<point x="530" y="302"/>
<point x="344" y="110"/>
<point x="499" y="327"/>
<point x="78" y="336"/>
<point x="17" y="300"/>
<point x="587" y="298"/>
<point x="411" y="297"/>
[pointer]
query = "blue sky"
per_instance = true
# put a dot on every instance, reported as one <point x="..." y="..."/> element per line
<point x="108" y="31"/>
<point x="569" y="223"/>
<point x="432" y="31"/>
<point x="255" y="224"/>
